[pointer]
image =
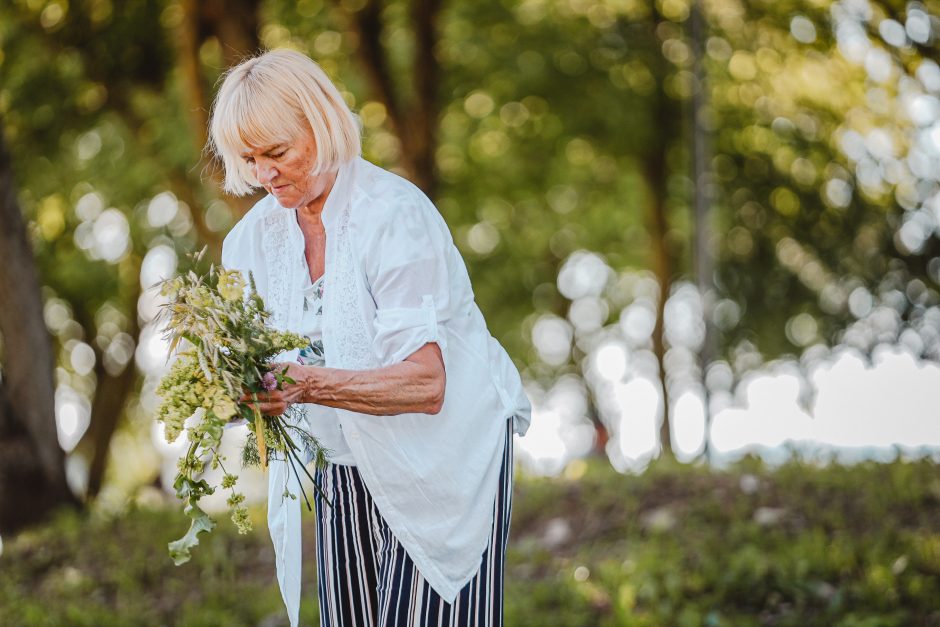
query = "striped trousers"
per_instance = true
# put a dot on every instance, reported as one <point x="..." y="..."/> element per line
<point x="366" y="579"/>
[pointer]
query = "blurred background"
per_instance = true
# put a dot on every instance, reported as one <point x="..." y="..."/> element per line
<point x="708" y="233"/>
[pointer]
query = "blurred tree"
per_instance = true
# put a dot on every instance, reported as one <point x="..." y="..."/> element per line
<point x="702" y="185"/>
<point x="32" y="468"/>
<point x="63" y="60"/>
<point x="668" y="122"/>
<point x="230" y="30"/>
<point x="412" y="105"/>
<point x="834" y="221"/>
<point x="556" y="139"/>
<point x="111" y="113"/>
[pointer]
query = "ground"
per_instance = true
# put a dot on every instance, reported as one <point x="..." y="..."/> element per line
<point x="679" y="545"/>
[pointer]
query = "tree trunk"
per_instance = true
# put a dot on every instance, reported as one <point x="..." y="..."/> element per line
<point x="111" y="393"/>
<point x="601" y="432"/>
<point x="704" y="264"/>
<point x="661" y="264"/>
<point x="413" y="120"/>
<point x="423" y="117"/>
<point x="235" y="25"/>
<point x="657" y="221"/>
<point x="32" y="464"/>
<point x="110" y="399"/>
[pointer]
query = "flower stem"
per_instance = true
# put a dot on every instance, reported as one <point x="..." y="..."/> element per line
<point x="292" y="450"/>
<point x="259" y="434"/>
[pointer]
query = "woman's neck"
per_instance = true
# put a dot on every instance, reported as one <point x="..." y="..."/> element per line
<point x="312" y="211"/>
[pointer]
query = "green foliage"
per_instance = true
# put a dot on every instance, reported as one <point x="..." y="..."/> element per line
<point x="102" y="571"/>
<point x="551" y="115"/>
<point x="685" y="546"/>
<point x="792" y="249"/>
<point x="548" y="114"/>
<point x="679" y="545"/>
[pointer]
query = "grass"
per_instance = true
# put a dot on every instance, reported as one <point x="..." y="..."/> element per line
<point x="680" y="545"/>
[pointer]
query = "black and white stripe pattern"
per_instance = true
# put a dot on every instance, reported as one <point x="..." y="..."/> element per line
<point x="366" y="578"/>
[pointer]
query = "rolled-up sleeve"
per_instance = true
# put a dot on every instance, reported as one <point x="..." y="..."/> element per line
<point x="407" y="267"/>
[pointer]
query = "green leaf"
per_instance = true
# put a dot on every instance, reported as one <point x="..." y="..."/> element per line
<point x="180" y="549"/>
<point x="186" y="488"/>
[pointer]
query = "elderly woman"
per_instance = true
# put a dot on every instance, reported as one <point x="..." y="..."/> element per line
<point x="401" y="380"/>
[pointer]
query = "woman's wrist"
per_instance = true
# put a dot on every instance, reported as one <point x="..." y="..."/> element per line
<point x="310" y="377"/>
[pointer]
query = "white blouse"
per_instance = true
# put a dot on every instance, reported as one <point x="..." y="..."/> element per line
<point x="322" y="422"/>
<point x="393" y="282"/>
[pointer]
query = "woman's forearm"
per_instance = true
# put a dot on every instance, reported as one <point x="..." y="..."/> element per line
<point x="415" y="385"/>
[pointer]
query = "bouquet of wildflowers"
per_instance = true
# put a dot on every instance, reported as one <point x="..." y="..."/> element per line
<point x="225" y="350"/>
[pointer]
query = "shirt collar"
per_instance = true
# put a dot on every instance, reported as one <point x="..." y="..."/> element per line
<point x="340" y="195"/>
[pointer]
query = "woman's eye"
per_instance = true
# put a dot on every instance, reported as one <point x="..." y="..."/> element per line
<point x="278" y="155"/>
<point x="250" y="160"/>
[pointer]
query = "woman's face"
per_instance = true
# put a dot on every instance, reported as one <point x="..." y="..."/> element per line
<point x="284" y="171"/>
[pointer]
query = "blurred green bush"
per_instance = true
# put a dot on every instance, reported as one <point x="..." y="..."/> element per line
<point x="680" y="545"/>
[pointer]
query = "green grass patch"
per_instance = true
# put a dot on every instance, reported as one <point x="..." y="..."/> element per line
<point x="679" y="545"/>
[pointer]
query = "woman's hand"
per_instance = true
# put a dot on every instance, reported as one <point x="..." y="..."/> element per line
<point x="276" y="402"/>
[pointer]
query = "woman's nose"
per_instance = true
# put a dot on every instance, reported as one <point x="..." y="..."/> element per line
<point x="266" y="173"/>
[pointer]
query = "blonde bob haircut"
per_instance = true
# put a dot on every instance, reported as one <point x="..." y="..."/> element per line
<point x="272" y="99"/>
